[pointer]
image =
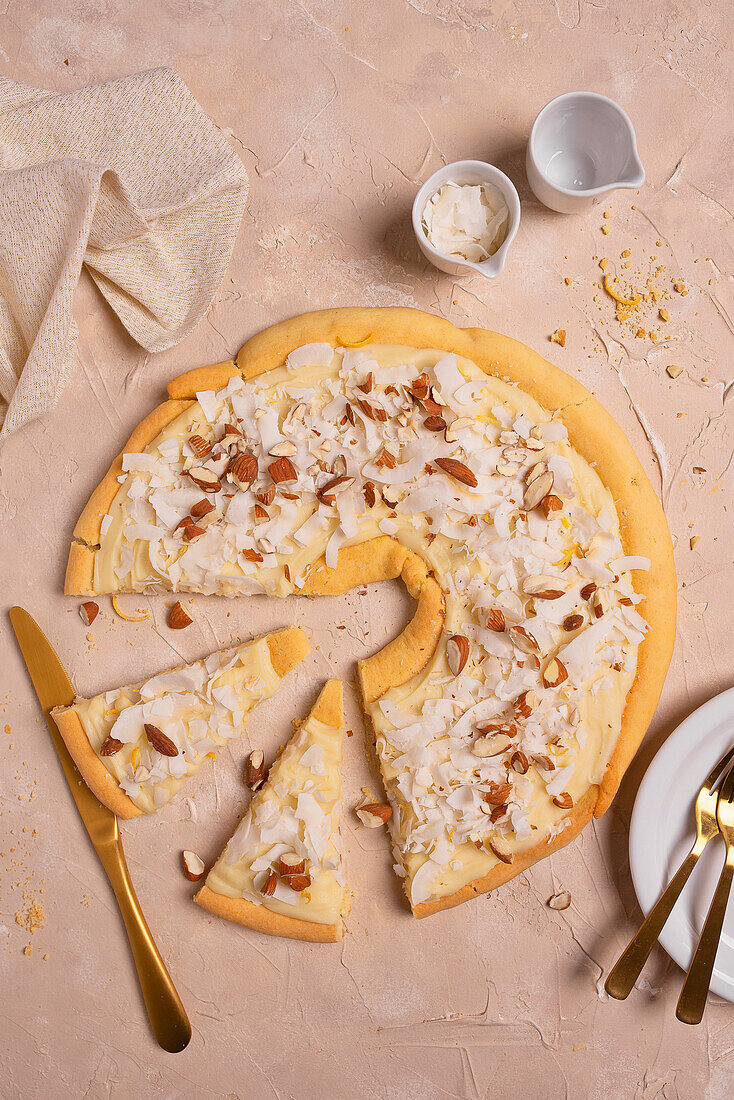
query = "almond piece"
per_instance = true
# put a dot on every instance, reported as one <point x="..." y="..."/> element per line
<point x="261" y="514"/>
<point x="519" y="762"/>
<point x="599" y="603"/>
<point x="573" y="622"/>
<point x="563" y="800"/>
<point x="268" y="887"/>
<point x="212" y="517"/>
<point x="419" y="386"/>
<point x="386" y="459"/>
<point x="282" y="471"/>
<point x="550" y="503"/>
<point x="298" y="882"/>
<point x="192" y="531"/>
<point x="178" y="617"/>
<point x="498" y="794"/>
<point x="242" y="470"/>
<point x="286" y="449"/>
<point x="588" y="591"/>
<point x="252" y="555"/>
<point x="494" y="745"/>
<point x="162" y="744"/>
<point x="543" y="587"/>
<point x="327" y="493"/>
<point x="434" y="424"/>
<point x="535" y="472"/>
<point x="493" y="619"/>
<point x="255" y="772"/>
<point x="523" y="639"/>
<point x="110" y="746"/>
<point x="458" y="470"/>
<point x="501" y="849"/>
<point x="430" y="404"/>
<point x="267" y="496"/>
<point x="543" y="761"/>
<point x="88" y="612"/>
<point x="559" y="901"/>
<point x="291" y="864"/>
<point x="525" y="704"/>
<point x="369" y="494"/>
<point x="205" y="478"/>
<point x="374" y="814"/>
<point x="536" y="490"/>
<point x="457" y="653"/>
<point x="372" y="412"/>
<point x="202" y="508"/>
<point x="555" y="673"/>
<point x="199" y="446"/>
<point x="193" y="866"/>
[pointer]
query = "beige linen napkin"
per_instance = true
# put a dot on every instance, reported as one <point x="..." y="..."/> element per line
<point x="129" y="178"/>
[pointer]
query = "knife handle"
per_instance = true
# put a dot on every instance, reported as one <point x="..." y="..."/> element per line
<point x="629" y="965"/>
<point x="167" y="1015"/>
<point x="692" y="1000"/>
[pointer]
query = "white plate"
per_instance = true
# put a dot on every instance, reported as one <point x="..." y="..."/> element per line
<point x="663" y="829"/>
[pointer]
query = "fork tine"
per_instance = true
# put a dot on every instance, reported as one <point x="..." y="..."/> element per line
<point x="719" y="768"/>
<point x="726" y="790"/>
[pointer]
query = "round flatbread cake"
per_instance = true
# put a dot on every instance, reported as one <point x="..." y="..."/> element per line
<point x="357" y="445"/>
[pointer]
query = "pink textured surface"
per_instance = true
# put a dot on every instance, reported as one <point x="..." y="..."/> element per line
<point x="339" y="113"/>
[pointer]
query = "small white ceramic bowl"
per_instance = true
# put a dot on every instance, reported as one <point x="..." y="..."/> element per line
<point x="467" y="171"/>
<point x="582" y="146"/>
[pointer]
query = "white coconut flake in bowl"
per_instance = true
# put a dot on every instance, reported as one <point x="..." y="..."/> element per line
<point x="466" y="220"/>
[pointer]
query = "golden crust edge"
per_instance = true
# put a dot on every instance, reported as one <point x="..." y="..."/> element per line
<point x="329" y="707"/>
<point x="378" y="559"/>
<point x="92" y="770"/>
<point x="287" y="647"/>
<point x="259" y="919"/>
<point x="501" y="873"/>
<point x="80" y="565"/>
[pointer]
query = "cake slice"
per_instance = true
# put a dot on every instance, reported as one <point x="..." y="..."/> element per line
<point x="136" y="746"/>
<point x="281" y="872"/>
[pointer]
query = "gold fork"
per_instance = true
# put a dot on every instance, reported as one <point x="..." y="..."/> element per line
<point x="627" y="969"/>
<point x="692" y="1000"/>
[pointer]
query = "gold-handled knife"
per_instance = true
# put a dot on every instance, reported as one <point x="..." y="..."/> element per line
<point x="53" y="687"/>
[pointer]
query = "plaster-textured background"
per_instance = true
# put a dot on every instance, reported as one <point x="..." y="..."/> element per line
<point x="339" y="111"/>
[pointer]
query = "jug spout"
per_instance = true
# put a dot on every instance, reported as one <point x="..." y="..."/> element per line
<point x="634" y="174"/>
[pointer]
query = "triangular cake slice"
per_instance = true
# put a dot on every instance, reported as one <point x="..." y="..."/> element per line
<point x="281" y="872"/>
<point x="136" y="746"/>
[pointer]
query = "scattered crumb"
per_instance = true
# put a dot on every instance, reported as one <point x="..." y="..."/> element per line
<point x="578" y="1047"/>
<point x="663" y="315"/>
<point x="568" y="280"/>
<point x="350" y="733"/>
<point x="695" y="541"/>
<point x="626" y="253"/>
<point x="699" y="469"/>
<point x="605" y="229"/>
<point x="558" y="337"/>
<point x="674" y="370"/>
<point x="28" y="949"/>
<point x="680" y="287"/>
<point x="46" y="957"/>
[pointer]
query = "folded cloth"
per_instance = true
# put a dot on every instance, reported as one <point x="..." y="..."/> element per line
<point x="129" y="178"/>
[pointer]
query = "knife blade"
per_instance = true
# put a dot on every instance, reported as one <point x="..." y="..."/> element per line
<point x="53" y="687"/>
